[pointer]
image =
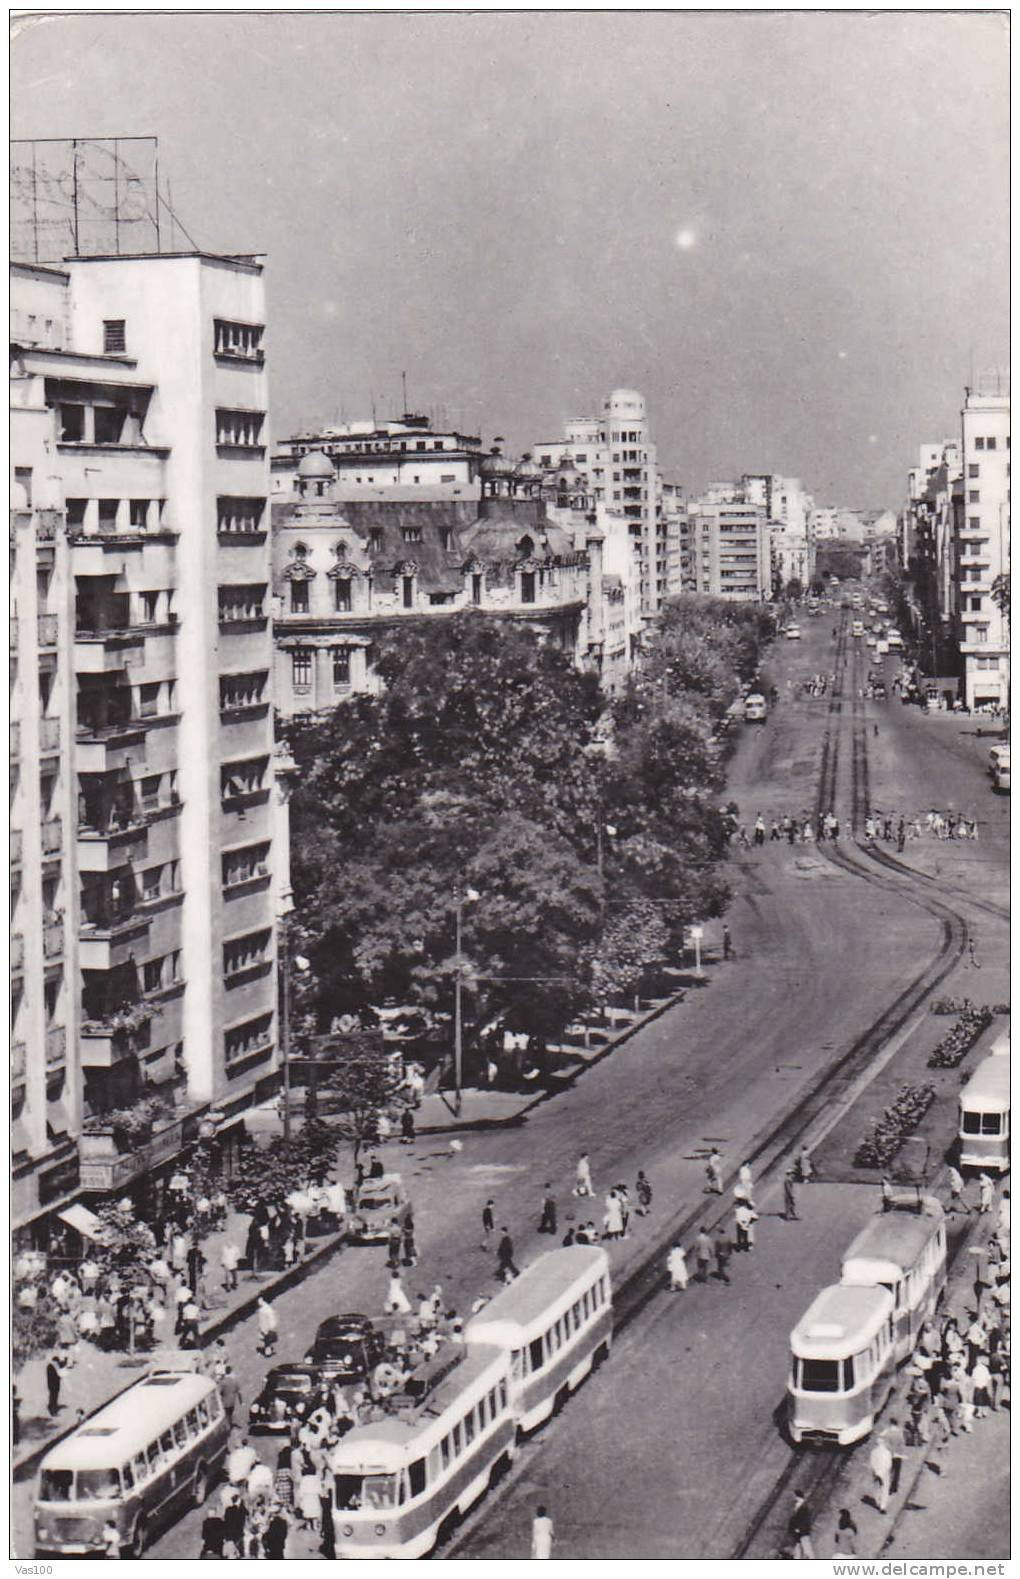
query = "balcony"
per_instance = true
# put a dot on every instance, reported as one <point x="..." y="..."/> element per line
<point x="52" y="836"/>
<point x="53" y="940"/>
<point x="15" y="741"/>
<point x="49" y="734"/>
<point x="104" y="943"/>
<point x="105" y="748"/>
<point x="48" y="628"/>
<point x="18" y="1061"/>
<point x="106" y="651"/>
<point x="56" y="1046"/>
<point x="15" y="846"/>
<point x="105" y="1167"/>
<point x="17" y="951"/>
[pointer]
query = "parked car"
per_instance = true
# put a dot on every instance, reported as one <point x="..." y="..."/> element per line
<point x="1000" y="779"/>
<point x="793" y="633"/>
<point x="996" y="755"/>
<point x="375" y="1205"/>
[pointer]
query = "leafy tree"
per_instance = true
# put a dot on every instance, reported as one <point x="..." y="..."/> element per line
<point x="633" y="937"/>
<point x="359" y="1082"/>
<point x="127" y="1245"/>
<point x="1000" y="592"/>
<point x="34" y="1311"/>
<point x="794" y="589"/>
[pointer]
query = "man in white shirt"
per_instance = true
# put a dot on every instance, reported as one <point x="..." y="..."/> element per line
<point x="241" y="1460"/>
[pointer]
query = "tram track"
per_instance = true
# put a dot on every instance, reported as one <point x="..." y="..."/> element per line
<point x="816" y="1469"/>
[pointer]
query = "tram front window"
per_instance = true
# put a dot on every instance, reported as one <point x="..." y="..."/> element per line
<point x="366" y="1491"/>
<point x="824" y="1376"/>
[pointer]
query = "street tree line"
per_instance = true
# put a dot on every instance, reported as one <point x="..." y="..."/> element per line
<point x="577" y="834"/>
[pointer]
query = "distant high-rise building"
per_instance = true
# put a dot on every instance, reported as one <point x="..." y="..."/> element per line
<point x="982" y="562"/>
<point x="730" y="541"/>
<point x="615" y="455"/>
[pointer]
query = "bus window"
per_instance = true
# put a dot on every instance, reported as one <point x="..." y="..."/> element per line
<point x="502" y="1394"/>
<point x="166" y="1444"/>
<point x="991" y="1123"/>
<point x="469" y="1428"/>
<point x="153" y="1455"/>
<point x="456" y="1434"/>
<point x="203" y="1413"/>
<point x="127" y="1475"/>
<point x="518" y="1364"/>
<point x="818" y="1376"/>
<point x="98" y="1485"/>
<point x="436" y="1465"/>
<point x="482" y="1414"/>
<point x="416" y="1477"/>
<point x="191" y="1422"/>
<point x="848" y="1375"/>
<point x="140" y="1467"/>
<point x="535" y="1352"/>
<point x="180" y="1433"/>
<point x="971" y="1124"/>
<point x="55" y="1485"/>
<point x="445" y="1451"/>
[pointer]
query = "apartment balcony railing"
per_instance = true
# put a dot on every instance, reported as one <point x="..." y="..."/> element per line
<point x="48" y="630"/>
<point x="17" y="951"/>
<point x="46" y="523"/>
<point x="49" y="734"/>
<point x="18" y="1060"/>
<point x="103" y="1167"/>
<point x="52" y="836"/>
<point x="53" y="940"/>
<point x="15" y="846"/>
<point x="56" y="1046"/>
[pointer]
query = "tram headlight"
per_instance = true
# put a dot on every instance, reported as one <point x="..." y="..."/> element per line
<point x="380" y="1529"/>
<point x="348" y="1529"/>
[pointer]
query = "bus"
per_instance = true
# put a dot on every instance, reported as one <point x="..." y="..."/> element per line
<point x="432" y="1453"/>
<point x="138" y="1461"/>
<point x="904" y="1251"/>
<point x="842" y="1364"/>
<point x="555" y="1324"/>
<point x="984" y="1115"/>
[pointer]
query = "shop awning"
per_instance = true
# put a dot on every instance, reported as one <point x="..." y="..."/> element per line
<point x="82" y="1221"/>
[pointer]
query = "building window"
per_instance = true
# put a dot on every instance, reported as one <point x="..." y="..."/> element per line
<point x="239" y="430"/>
<point x="342" y="594"/>
<point x="476" y="589"/>
<point x="72" y="423"/>
<point x="301" y="671"/>
<point x="990" y="444"/>
<point x="407" y="591"/>
<point x="238" y="603"/>
<point x="527" y="586"/>
<point x="242" y="340"/>
<point x="109" y="424"/>
<point x="239" y="516"/>
<point x="446" y="538"/>
<point x="448" y="477"/>
<point x="979" y="444"/>
<point x="114" y="342"/>
<point x="139" y="514"/>
<point x="299" y="597"/>
<point x="244" y="866"/>
<point x="252" y="1036"/>
<point x="375" y="540"/>
<point x="341" y="668"/>
<point x="246" y="953"/>
<point x="973" y="470"/>
<point x="108" y="514"/>
<point x="242" y="778"/>
<point x="242" y="690"/>
<point x="411" y="534"/>
<point x="975" y="605"/>
<point x="974" y="523"/>
<point x="974" y="496"/>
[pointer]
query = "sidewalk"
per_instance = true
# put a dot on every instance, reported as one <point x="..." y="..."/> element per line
<point x="99" y="1375"/>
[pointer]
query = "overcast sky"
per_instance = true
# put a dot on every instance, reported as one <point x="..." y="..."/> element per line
<point x="790" y="231"/>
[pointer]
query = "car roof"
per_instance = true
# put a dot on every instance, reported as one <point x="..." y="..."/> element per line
<point x="353" y="1322"/>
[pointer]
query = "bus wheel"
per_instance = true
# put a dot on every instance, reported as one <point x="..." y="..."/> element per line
<point x="200" y="1486"/>
<point x="601" y="1355"/>
<point x="560" y="1400"/>
<point x="500" y="1469"/>
<point x="139" y="1536"/>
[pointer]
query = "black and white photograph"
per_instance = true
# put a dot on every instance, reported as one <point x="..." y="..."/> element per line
<point x="510" y="786"/>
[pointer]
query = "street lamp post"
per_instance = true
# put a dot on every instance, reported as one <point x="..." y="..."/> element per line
<point x="283" y="961"/>
<point x="697" y="933"/>
<point x="460" y="899"/>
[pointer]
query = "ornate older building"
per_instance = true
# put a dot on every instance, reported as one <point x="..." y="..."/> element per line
<point x="526" y="550"/>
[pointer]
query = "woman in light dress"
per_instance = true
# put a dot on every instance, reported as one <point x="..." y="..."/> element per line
<point x="676" y="1266"/>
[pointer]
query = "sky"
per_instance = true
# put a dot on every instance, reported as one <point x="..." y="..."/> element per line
<point x="789" y="231"/>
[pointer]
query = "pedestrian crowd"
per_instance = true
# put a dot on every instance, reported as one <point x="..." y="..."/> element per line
<point x="899" y="827"/>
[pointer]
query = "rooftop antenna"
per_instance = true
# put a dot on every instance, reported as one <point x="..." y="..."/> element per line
<point x="403" y="386"/>
<point x="374" y="422"/>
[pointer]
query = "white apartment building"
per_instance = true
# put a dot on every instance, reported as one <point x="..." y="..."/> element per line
<point x="789" y="508"/>
<point x="147" y="814"/>
<point x="983" y="544"/>
<point x="730" y="544"/>
<point x="616" y="457"/>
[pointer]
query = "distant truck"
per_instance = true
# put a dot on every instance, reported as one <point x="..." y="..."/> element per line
<point x="755" y="711"/>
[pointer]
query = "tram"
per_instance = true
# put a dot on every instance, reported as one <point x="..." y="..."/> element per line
<point x="555" y="1322"/>
<point x="904" y="1251"/>
<point x="843" y="1360"/>
<point x="984" y="1115"/>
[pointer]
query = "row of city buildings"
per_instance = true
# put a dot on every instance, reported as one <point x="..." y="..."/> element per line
<point x="176" y="586"/>
<point x="955" y="548"/>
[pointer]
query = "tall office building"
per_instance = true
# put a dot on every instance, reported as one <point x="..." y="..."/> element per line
<point x="617" y="459"/>
<point x="730" y="547"/>
<point x="147" y="817"/>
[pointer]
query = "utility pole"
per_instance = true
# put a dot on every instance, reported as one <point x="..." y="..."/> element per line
<point x="283" y="965"/>
<point x="458" y="1038"/>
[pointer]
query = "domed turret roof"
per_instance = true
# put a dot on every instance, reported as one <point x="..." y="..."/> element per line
<point x="496" y="465"/>
<point x="315" y="464"/>
<point x="567" y="478"/>
<point x="526" y="470"/>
